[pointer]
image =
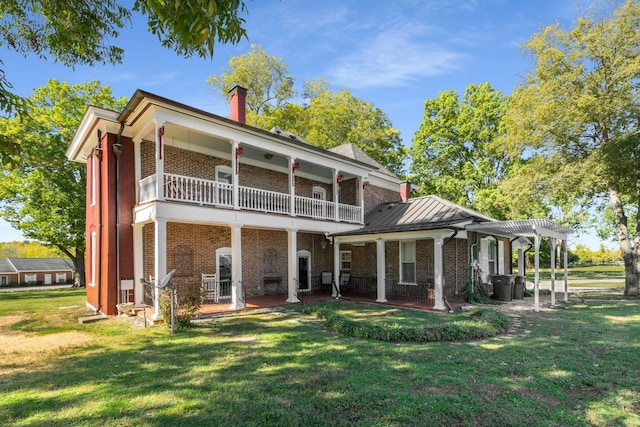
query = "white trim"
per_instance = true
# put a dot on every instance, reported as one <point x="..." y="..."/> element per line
<point x="94" y="180"/>
<point x="4" y="280"/>
<point x="94" y="247"/>
<point x="303" y="253"/>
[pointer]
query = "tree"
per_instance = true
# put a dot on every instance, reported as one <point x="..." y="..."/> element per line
<point x="267" y="77"/>
<point x="42" y="194"/>
<point x="80" y="32"/>
<point x="456" y="153"/>
<point x="579" y="107"/>
<point x="325" y="118"/>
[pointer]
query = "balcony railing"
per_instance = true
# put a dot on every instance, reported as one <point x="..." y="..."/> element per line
<point x="212" y="193"/>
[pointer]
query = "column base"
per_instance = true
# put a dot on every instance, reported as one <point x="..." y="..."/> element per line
<point x="439" y="307"/>
<point x="236" y="306"/>
<point x="294" y="299"/>
<point x="381" y="300"/>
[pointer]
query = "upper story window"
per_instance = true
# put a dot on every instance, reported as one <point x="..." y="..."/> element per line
<point x="319" y="193"/>
<point x="408" y="261"/>
<point x="224" y="174"/>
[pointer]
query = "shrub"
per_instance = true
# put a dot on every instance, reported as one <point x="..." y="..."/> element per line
<point x="482" y="323"/>
<point x="188" y="302"/>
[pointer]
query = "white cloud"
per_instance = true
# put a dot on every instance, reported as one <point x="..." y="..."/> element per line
<point x="395" y="57"/>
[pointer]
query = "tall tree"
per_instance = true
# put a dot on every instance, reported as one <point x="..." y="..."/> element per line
<point x="42" y="193"/>
<point x="579" y="106"/>
<point x="456" y="152"/>
<point x="81" y="32"/>
<point x="267" y="77"/>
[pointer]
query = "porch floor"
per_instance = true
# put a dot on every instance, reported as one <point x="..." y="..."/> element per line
<point x="268" y="301"/>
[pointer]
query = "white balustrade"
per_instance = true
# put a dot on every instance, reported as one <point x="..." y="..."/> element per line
<point x="207" y="192"/>
<point x="263" y="200"/>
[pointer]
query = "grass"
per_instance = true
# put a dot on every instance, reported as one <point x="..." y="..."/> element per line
<point x="562" y="367"/>
<point x="591" y="272"/>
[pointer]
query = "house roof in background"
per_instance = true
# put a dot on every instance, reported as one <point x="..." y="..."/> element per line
<point x="420" y="213"/>
<point x="353" y="152"/>
<point x="41" y="264"/>
<point x="6" y="267"/>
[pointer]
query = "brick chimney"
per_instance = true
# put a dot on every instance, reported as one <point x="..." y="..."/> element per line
<point x="405" y="191"/>
<point x="238" y="100"/>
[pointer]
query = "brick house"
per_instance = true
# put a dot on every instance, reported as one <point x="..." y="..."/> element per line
<point x="44" y="271"/>
<point x="249" y="212"/>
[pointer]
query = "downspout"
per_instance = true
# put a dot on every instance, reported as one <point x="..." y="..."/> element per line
<point x="117" y="150"/>
<point x="524" y="254"/>
<point x="98" y="264"/>
<point x="444" y="269"/>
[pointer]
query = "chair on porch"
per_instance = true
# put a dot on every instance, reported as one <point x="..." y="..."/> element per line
<point x="210" y="286"/>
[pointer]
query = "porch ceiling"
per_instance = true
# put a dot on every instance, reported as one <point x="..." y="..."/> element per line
<point x="523" y="228"/>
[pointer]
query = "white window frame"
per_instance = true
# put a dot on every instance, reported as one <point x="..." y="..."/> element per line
<point x="61" y="277"/>
<point x="491" y="254"/>
<point x="226" y="170"/>
<point x="343" y="260"/>
<point x="30" y="278"/>
<point x="94" y="258"/>
<point x="4" y="280"/>
<point x="407" y="257"/>
<point x="94" y="184"/>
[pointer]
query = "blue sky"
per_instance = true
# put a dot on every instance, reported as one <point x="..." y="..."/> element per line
<point x="395" y="54"/>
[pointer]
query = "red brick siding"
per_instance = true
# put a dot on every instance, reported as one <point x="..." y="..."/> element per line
<point x="373" y="196"/>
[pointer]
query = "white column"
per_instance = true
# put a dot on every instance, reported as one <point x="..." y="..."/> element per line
<point x="335" y="195"/>
<point x="536" y="280"/>
<point x="292" y="235"/>
<point x="237" y="298"/>
<point x="160" y="161"/>
<point x="521" y="261"/>
<point x="292" y="188"/>
<point x="552" y="244"/>
<point x="381" y="270"/>
<point x="160" y="261"/>
<point x="438" y="274"/>
<point x="138" y="264"/>
<point x="361" y="190"/>
<point x="335" y="290"/>
<point x="235" y="172"/>
<point x="566" y="271"/>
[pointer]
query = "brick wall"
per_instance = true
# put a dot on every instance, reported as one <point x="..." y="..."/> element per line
<point x="373" y="196"/>
<point x="191" y="250"/>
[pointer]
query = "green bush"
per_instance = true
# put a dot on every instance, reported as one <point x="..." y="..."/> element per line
<point x="188" y="302"/>
<point x="482" y="323"/>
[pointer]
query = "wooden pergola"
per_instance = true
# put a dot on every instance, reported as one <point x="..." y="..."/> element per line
<point x="538" y="229"/>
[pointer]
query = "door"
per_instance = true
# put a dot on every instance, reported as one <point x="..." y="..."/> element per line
<point x="223" y="273"/>
<point x="304" y="270"/>
<point x="224" y="178"/>
<point x="47" y="279"/>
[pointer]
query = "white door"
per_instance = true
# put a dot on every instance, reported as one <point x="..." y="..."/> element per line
<point x="47" y="279"/>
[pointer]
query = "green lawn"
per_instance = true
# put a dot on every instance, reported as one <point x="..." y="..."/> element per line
<point x="563" y="367"/>
<point x="592" y="272"/>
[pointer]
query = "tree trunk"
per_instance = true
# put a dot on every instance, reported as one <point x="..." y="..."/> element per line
<point x="629" y="253"/>
<point x="78" y="264"/>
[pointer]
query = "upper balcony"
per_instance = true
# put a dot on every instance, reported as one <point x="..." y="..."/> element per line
<point x="204" y="192"/>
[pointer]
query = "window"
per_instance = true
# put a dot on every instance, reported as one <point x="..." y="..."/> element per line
<point x="94" y="256"/>
<point x="319" y="194"/>
<point x="491" y="258"/>
<point x="224" y="176"/>
<point x="4" y="280"/>
<point x="345" y="260"/>
<point x="94" y="179"/>
<point x="61" y="277"/>
<point x="408" y="262"/>
<point x="30" y="278"/>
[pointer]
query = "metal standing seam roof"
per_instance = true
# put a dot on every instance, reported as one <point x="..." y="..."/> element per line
<point x="41" y="264"/>
<point x="420" y="213"/>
